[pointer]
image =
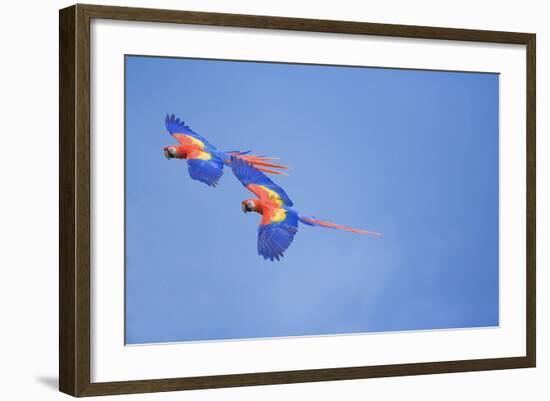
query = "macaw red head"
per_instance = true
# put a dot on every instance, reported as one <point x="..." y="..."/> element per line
<point x="176" y="151"/>
<point x="250" y="205"/>
<point x="170" y="152"/>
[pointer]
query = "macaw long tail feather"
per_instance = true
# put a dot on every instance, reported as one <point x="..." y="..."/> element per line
<point x="312" y="221"/>
<point x="262" y="163"/>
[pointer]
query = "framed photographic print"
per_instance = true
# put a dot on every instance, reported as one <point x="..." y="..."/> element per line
<point x="387" y="179"/>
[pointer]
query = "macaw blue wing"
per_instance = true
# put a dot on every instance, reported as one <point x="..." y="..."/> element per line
<point x="207" y="171"/>
<point x="176" y="126"/>
<point x="274" y="238"/>
<point x="258" y="183"/>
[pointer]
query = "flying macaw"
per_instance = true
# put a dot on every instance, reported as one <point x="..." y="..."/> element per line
<point x="279" y="222"/>
<point x="205" y="162"/>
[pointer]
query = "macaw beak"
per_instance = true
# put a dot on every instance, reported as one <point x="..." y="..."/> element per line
<point x="167" y="154"/>
<point x="245" y="210"/>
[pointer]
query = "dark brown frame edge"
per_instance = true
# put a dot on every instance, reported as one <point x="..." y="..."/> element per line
<point x="74" y="199"/>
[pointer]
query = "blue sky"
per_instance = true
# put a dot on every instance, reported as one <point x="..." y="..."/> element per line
<point x="411" y="154"/>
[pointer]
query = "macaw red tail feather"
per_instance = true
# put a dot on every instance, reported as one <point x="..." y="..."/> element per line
<point x="312" y="221"/>
<point x="262" y="163"/>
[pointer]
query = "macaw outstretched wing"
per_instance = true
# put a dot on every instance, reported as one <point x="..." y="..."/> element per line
<point x="276" y="232"/>
<point x="258" y="183"/>
<point x="184" y="134"/>
<point x="206" y="171"/>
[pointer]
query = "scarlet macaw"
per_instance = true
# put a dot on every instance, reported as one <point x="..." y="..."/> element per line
<point x="205" y="162"/>
<point x="279" y="222"/>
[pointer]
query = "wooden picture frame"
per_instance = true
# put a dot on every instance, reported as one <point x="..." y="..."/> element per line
<point x="74" y="200"/>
